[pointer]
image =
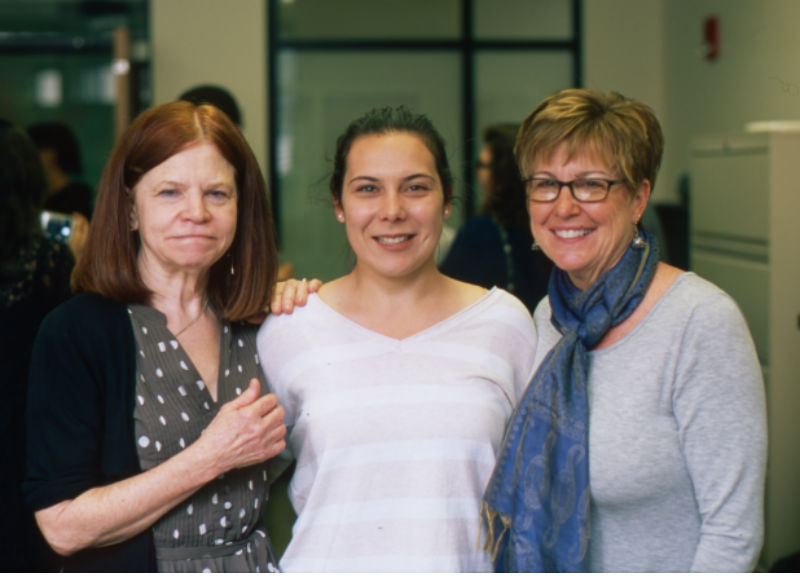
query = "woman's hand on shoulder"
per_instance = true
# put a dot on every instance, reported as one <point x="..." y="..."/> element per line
<point x="291" y="293"/>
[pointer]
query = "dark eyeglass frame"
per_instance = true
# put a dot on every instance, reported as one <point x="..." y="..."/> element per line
<point x="529" y="182"/>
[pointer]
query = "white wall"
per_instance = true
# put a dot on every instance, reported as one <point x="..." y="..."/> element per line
<point x="210" y="41"/>
<point x="756" y="77"/>
<point x="623" y="51"/>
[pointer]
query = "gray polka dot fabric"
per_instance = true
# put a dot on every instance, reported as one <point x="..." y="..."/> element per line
<point x="219" y="528"/>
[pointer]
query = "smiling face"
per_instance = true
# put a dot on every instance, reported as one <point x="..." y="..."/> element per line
<point x="392" y="204"/>
<point x="185" y="211"/>
<point x="584" y="239"/>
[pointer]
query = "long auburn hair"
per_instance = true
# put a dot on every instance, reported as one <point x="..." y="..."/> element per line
<point x="108" y="264"/>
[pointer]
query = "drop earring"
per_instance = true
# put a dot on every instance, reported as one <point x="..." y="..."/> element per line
<point x="535" y="246"/>
<point x="638" y="240"/>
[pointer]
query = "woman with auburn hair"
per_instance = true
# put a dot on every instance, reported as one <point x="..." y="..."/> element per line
<point x="149" y="426"/>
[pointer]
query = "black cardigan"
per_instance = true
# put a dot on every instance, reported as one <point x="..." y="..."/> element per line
<point x="80" y="418"/>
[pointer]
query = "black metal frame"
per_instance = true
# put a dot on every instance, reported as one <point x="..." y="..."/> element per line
<point x="466" y="46"/>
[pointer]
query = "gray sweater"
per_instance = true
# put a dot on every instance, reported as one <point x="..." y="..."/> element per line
<point x="677" y="437"/>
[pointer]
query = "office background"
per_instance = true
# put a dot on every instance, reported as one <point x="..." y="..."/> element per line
<point x="302" y="69"/>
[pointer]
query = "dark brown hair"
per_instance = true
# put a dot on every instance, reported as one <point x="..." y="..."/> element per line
<point x="506" y="201"/>
<point x="386" y="121"/>
<point x="108" y="264"/>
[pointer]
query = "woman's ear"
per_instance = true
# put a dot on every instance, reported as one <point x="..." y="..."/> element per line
<point x="337" y="209"/>
<point x="640" y="198"/>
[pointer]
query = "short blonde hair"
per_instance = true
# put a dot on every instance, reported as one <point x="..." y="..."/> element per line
<point x="623" y="132"/>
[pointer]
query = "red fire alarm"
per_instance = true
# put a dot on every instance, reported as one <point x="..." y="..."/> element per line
<point x="711" y="37"/>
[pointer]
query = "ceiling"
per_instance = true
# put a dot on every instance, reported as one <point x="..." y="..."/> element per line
<point x="38" y="24"/>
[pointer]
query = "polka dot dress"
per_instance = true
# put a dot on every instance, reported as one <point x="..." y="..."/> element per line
<point x="219" y="528"/>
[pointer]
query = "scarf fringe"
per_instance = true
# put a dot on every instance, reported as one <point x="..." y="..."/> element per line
<point x="492" y="544"/>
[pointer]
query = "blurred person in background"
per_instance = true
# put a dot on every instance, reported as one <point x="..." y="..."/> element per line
<point x="495" y="248"/>
<point x="34" y="279"/>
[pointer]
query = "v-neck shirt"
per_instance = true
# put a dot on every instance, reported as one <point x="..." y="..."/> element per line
<point x="395" y="439"/>
<point x="218" y="527"/>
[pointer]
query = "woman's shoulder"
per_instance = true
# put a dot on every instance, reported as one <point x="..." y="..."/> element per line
<point x="301" y="319"/>
<point x="84" y="314"/>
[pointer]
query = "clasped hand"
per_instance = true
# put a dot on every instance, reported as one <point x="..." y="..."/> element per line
<point x="246" y="431"/>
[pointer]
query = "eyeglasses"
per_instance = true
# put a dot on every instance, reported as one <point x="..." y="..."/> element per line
<point x="543" y="189"/>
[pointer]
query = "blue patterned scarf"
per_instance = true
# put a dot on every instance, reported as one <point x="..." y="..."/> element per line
<point x="537" y="503"/>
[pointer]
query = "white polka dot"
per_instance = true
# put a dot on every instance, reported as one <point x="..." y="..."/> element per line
<point x="144" y="441"/>
<point x="242" y="513"/>
<point x="255" y="357"/>
<point x="200" y="384"/>
<point x="163" y="420"/>
<point x="183" y="365"/>
<point x="144" y="329"/>
<point x="250" y="485"/>
<point x="202" y="529"/>
<point x="239" y="368"/>
<point x="239" y="552"/>
<point x="162" y="347"/>
<point x="140" y="399"/>
<point x="219" y="541"/>
<point x="174" y="344"/>
<point x="223" y="521"/>
<point x="159" y="372"/>
<point x="190" y="509"/>
<point x="160" y="398"/>
<point x="227" y="372"/>
<point x="214" y="499"/>
<point x="184" y="416"/>
<point x="227" y="505"/>
<point x="238" y="391"/>
<point x="182" y="442"/>
<point x="176" y="534"/>
<point x="244" y="528"/>
<point x="240" y="342"/>
<point x="141" y="353"/>
<point x="206" y="570"/>
<point x="206" y="406"/>
<point x="158" y="446"/>
<point x="225" y="329"/>
<point x="182" y="390"/>
<point x="255" y="504"/>
<point x="264" y="475"/>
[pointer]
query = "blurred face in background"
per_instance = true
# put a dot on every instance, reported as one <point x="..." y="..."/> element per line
<point x="484" y="171"/>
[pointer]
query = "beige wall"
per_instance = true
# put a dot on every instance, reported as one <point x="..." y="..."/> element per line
<point x="623" y="51"/>
<point x="210" y="41"/>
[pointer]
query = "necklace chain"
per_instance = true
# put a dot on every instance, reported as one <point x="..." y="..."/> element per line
<point x="195" y="319"/>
